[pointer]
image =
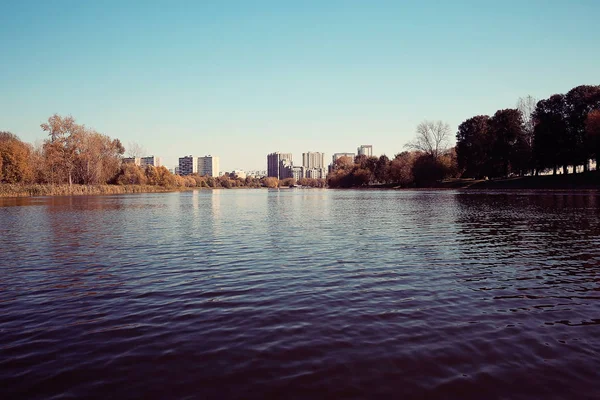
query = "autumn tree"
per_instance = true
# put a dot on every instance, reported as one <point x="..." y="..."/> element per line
<point x="131" y="174"/>
<point x="271" y="182"/>
<point x="61" y="148"/>
<point x="432" y="138"/>
<point x="401" y="168"/>
<point x="98" y="158"/>
<point x="382" y="169"/>
<point x="15" y="159"/>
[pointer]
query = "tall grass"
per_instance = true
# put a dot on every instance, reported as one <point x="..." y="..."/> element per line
<point x="25" y="190"/>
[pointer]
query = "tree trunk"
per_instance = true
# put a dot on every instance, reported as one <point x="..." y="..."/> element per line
<point x="555" y="170"/>
<point x="565" y="170"/>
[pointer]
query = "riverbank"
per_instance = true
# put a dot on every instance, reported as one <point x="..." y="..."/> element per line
<point x="29" y="190"/>
<point x="581" y="181"/>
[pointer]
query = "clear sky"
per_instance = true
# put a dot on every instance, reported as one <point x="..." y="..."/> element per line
<point x="240" y="79"/>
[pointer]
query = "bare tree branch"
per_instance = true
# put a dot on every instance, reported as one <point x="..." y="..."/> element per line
<point x="135" y="150"/>
<point x="432" y="138"/>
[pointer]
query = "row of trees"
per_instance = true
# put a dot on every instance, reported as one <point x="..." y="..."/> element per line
<point x="130" y="174"/>
<point x="406" y="169"/>
<point x="75" y="154"/>
<point x="428" y="159"/>
<point x="561" y="131"/>
<point x="72" y="153"/>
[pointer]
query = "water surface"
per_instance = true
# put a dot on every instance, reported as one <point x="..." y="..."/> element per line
<point x="301" y="294"/>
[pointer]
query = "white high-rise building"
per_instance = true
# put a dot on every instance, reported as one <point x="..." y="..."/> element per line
<point x="208" y="165"/>
<point x="132" y="160"/>
<point x="150" y="160"/>
<point x="365" y="150"/>
<point x="313" y="159"/>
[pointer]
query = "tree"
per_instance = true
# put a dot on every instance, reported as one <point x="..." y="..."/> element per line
<point x="131" y="174"/>
<point x="382" y="169"/>
<point x="579" y="102"/>
<point x="271" y="182"/>
<point x="15" y="159"/>
<point x="432" y="138"/>
<point x="401" y="168"/>
<point x="526" y="105"/>
<point x="473" y="145"/>
<point x="592" y="128"/>
<point x="427" y="170"/>
<point x="549" y="149"/>
<point x="506" y="128"/>
<point x="62" y="147"/>
<point x="135" y="150"/>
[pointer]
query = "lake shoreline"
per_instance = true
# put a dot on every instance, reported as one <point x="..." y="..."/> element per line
<point x="580" y="181"/>
<point x="37" y="190"/>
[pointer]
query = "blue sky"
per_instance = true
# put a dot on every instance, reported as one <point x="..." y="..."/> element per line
<point x="240" y="79"/>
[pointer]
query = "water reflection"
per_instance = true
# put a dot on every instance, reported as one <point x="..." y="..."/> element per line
<point x="308" y="293"/>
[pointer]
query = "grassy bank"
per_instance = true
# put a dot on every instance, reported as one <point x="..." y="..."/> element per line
<point x="24" y="190"/>
<point x="581" y="181"/>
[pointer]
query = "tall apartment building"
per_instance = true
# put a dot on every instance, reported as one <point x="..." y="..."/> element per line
<point x="150" y="160"/>
<point x="275" y="164"/>
<point x="132" y="160"/>
<point x="286" y="169"/>
<point x="313" y="159"/>
<point x="208" y="165"/>
<point x="187" y="165"/>
<point x="365" y="150"/>
<point x="298" y="173"/>
<point x="315" y="173"/>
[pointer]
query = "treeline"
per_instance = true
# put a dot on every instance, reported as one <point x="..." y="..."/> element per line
<point x="74" y="154"/>
<point x="428" y="160"/>
<point x="406" y="169"/>
<point x="131" y="174"/>
<point x="71" y="154"/>
<point x="537" y="136"/>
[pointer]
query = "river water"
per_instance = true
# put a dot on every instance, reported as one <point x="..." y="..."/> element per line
<point x="301" y="294"/>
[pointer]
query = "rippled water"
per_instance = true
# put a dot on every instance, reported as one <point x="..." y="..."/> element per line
<point x="301" y="294"/>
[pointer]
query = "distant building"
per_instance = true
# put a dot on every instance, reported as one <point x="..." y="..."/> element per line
<point x="365" y="150"/>
<point x="238" y="173"/>
<point x="298" y="173"/>
<point x="176" y="170"/>
<point x="256" y="174"/>
<point x="276" y="166"/>
<point x="286" y="169"/>
<point x="132" y="160"/>
<point x="187" y="165"/>
<point x="150" y="160"/>
<point x="315" y="173"/>
<point x="208" y="165"/>
<point x="337" y="156"/>
<point x="313" y="160"/>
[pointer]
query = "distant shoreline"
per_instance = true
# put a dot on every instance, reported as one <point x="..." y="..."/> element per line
<point x="580" y="181"/>
<point x="35" y="190"/>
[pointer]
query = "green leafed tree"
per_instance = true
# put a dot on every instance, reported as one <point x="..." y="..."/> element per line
<point x="473" y="146"/>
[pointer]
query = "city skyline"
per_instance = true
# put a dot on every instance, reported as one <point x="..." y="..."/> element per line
<point x="231" y="79"/>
